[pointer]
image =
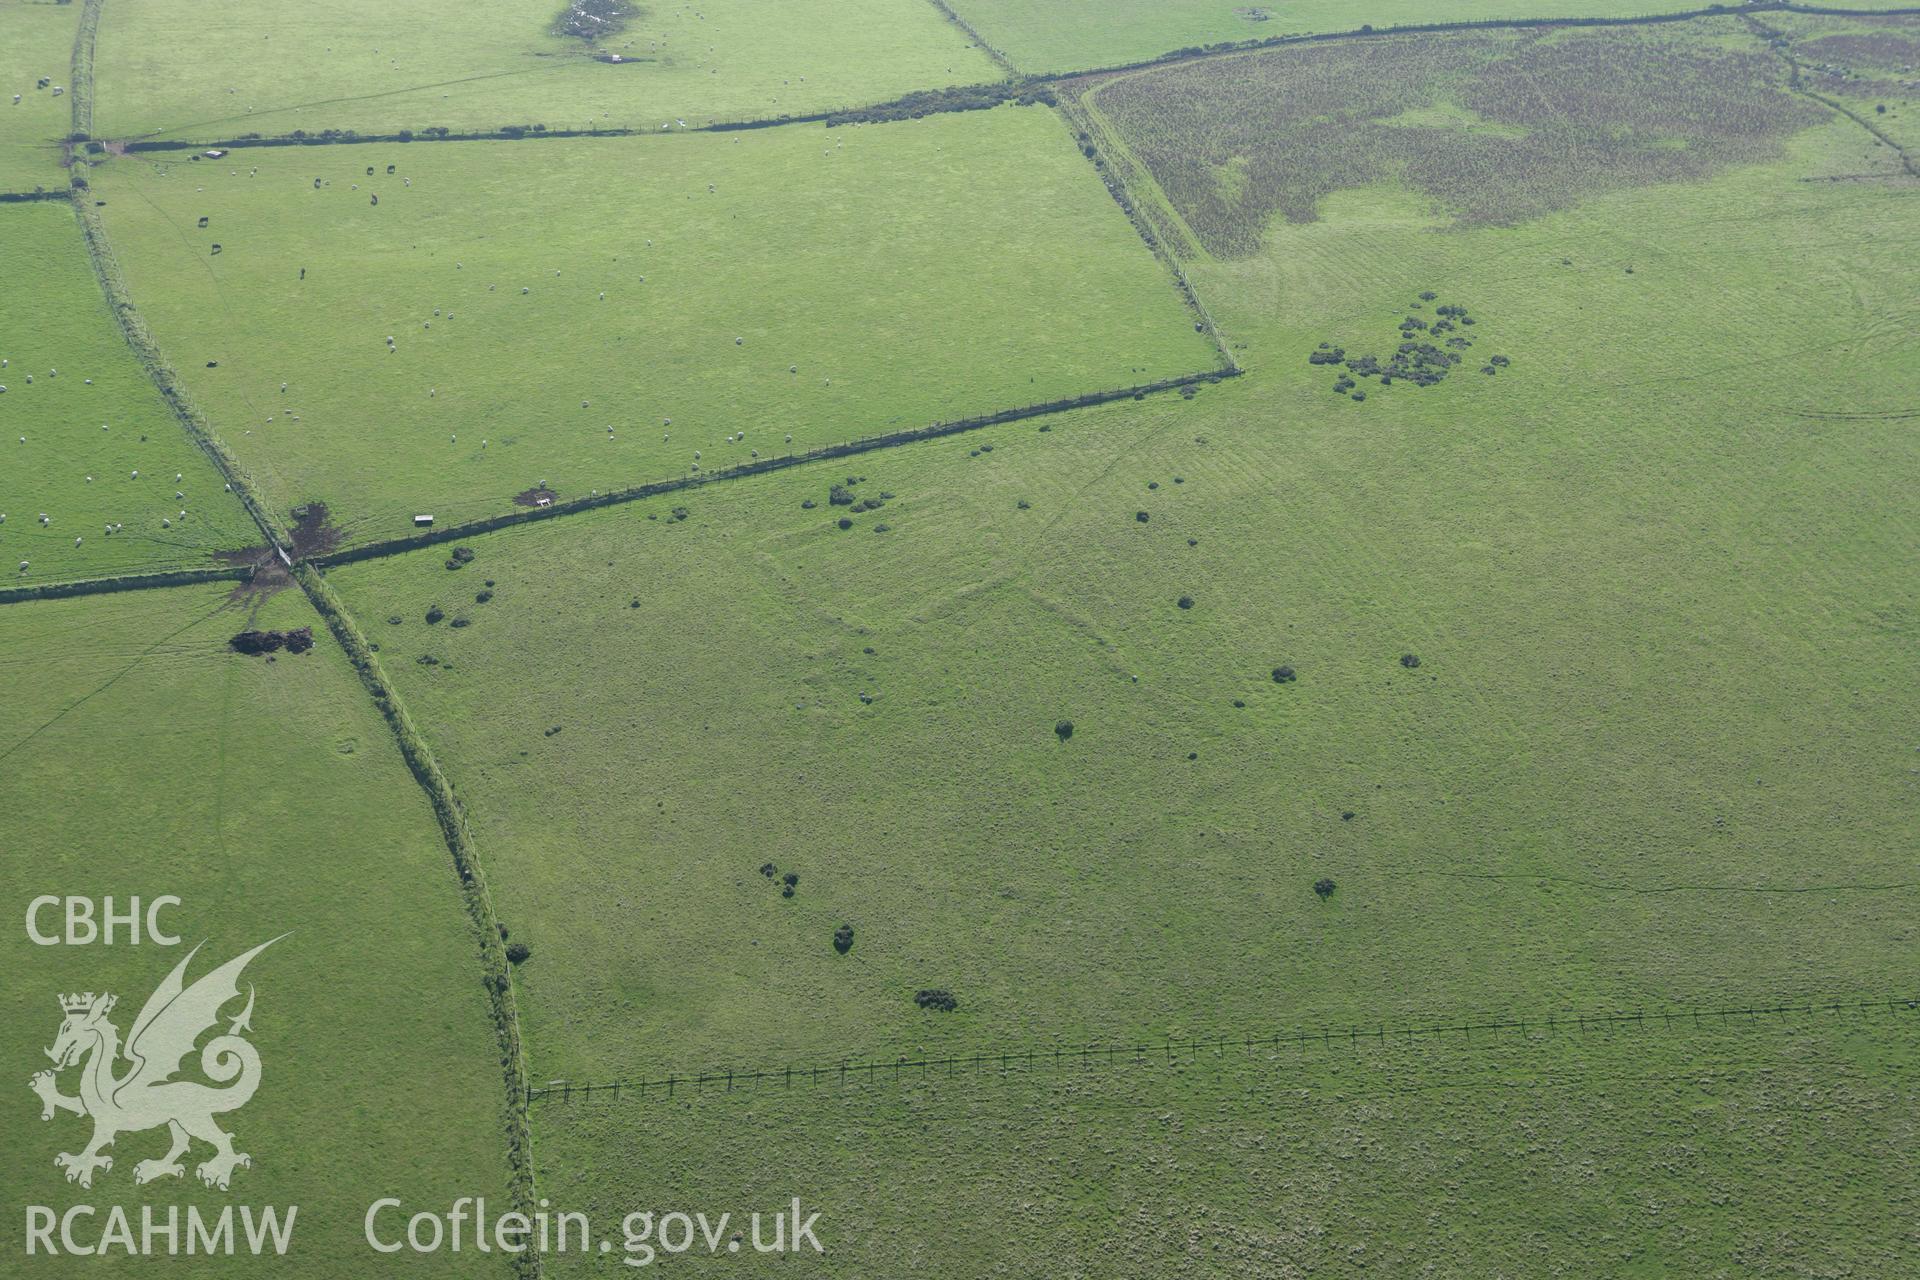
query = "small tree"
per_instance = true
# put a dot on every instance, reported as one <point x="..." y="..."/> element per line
<point x="1323" y="887"/>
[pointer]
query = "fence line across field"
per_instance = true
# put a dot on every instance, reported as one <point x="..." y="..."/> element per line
<point x="1169" y="1051"/>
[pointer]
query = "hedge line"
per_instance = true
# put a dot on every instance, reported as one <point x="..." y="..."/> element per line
<point x="1000" y="59"/>
<point x="24" y="197"/>
<point x="966" y="97"/>
<point x="125" y="582"/>
<point x="134" y="330"/>
<point x="760" y="466"/>
<point x="497" y="974"/>
<point x="1080" y="117"/>
<point x="80" y="74"/>
<point x="1191" y="52"/>
<point x="342" y="137"/>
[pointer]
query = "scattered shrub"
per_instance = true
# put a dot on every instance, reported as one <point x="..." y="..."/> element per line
<point x="482" y="597"/>
<point x="936" y="998"/>
<point x="1185" y="602"/>
<point x="1324" y="888"/>
<point x="1064" y="728"/>
<point x="840" y="496"/>
<point x="1409" y="661"/>
<point x="767" y="869"/>
<point x="1142" y="516"/>
<point x="518" y="952"/>
<point x="843" y="939"/>
<point x="845" y="523"/>
<point x="1283" y="675"/>
<point x="298" y="640"/>
<point x="435" y="613"/>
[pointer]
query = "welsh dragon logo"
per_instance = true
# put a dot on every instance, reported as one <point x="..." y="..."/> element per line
<point x="146" y="1095"/>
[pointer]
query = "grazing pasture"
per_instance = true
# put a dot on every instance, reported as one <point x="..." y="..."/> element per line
<point x="1527" y="538"/>
<point x="142" y="755"/>
<point x="574" y="315"/>
<point x="36" y="44"/>
<point x="85" y="440"/>
<point x="1042" y="36"/>
<point x="377" y="67"/>
<point x="1578" y="687"/>
<point x="1493" y="128"/>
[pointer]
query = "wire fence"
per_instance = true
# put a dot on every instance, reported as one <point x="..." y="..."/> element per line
<point x="1170" y="1052"/>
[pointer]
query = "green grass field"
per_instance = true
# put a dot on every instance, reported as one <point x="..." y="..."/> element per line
<point x="1053" y="36"/>
<point x="376" y="67"/>
<point x="36" y="40"/>
<point x="782" y="282"/>
<point x="141" y="756"/>
<point x="1545" y="815"/>
<point x="57" y="459"/>
<point x="1526" y="633"/>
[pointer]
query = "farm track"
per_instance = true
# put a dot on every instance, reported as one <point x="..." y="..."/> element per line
<point x="496" y="973"/>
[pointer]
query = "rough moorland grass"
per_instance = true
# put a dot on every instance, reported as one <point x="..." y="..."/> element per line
<point x="57" y="320"/>
<point x="819" y="284"/>
<point x="1769" y="1151"/>
<point x="1868" y="63"/>
<point x="1655" y="748"/>
<point x="478" y="64"/>
<point x="141" y="756"/>
<point x="1074" y="35"/>
<point x="35" y="40"/>
<point x="1494" y="128"/>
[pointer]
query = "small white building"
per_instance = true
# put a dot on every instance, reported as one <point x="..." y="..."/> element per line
<point x="422" y="522"/>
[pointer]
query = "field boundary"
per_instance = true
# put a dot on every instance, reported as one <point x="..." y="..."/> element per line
<point x="29" y="197"/>
<point x="125" y="582"/>
<point x="959" y="102"/>
<point x="80" y="73"/>
<point x="496" y="975"/>
<point x="133" y="330"/>
<point x="1782" y="45"/>
<point x="1130" y="1055"/>
<point x="999" y="58"/>
<point x="1079" y="114"/>
<point x="1368" y="31"/>
<point x="762" y="466"/>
